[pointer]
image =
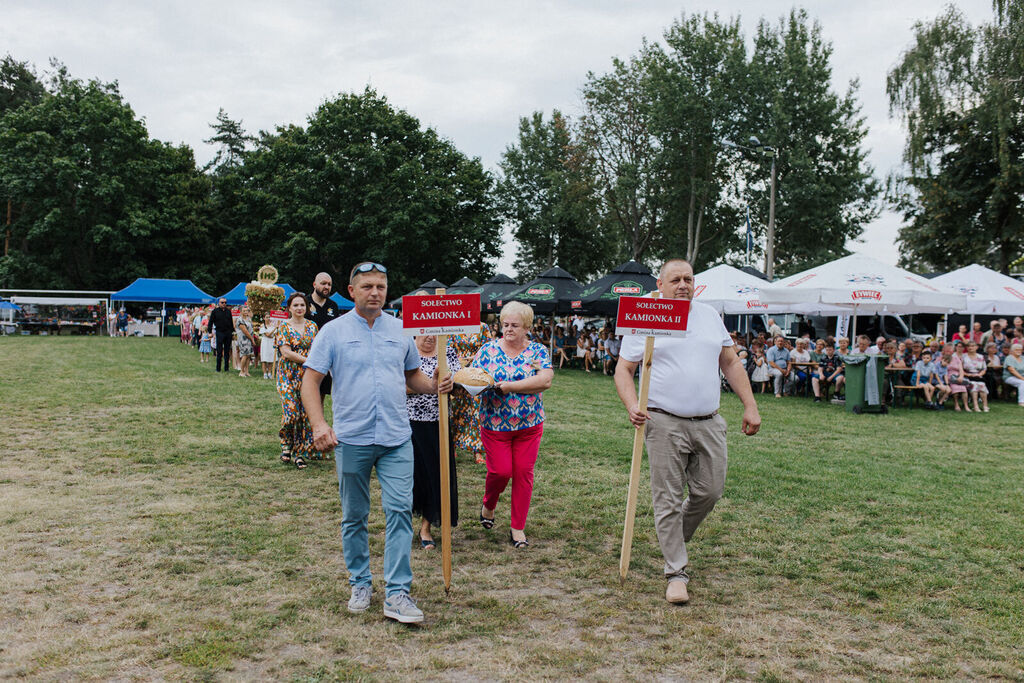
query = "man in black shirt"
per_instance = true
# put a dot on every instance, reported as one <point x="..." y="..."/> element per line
<point x="322" y="310"/>
<point x="223" y="325"/>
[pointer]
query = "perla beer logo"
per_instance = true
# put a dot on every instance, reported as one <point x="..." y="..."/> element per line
<point x="627" y="287"/>
<point x="541" y="291"/>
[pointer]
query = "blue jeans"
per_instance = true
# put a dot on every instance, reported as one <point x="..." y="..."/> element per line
<point x="394" y="472"/>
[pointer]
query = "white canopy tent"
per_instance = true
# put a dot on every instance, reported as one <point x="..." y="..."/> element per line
<point x="988" y="292"/>
<point x="732" y="291"/>
<point x="867" y="285"/>
<point x="58" y="301"/>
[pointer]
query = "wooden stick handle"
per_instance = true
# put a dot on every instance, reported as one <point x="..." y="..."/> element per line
<point x="635" y="464"/>
<point x="446" y="484"/>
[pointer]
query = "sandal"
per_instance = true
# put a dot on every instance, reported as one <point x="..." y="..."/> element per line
<point x="486" y="522"/>
<point x="300" y="462"/>
<point x="518" y="545"/>
<point x="286" y="457"/>
<point x="427" y="544"/>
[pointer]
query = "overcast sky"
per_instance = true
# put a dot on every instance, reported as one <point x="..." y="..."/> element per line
<point x="469" y="69"/>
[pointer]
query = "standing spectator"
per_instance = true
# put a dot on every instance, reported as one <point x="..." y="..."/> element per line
<point x="1018" y="328"/>
<point x="994" y="370"/>
<point x="512" y="416"/>
<point x="204" y="345"/>
<point x="424" y="420"/>
<point x="976" y="333"/>
<point x="773" y="329"/>
<point x="1013" y="371"/>
<point x="779" y="367"/>
<point x="757" y="366"/>
<point x="294" y="339"/>
<point x="122" y="323"/>
<point x="374" y="363"/>
<point x="268" y="350"/>
<point x="612" y="346"/>
<point x="465" y="406"/>
<point x="222" y="325"/>
<point x="246" y="340"/>
<point x="995" y="335"/>
<point x="322" y="310"/>
<point x="961" y="334"/>
<point x="975" y="370"/>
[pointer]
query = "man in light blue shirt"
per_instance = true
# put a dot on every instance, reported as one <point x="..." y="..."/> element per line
<point x="372" y="363"/>
<point x="779" y="367"/>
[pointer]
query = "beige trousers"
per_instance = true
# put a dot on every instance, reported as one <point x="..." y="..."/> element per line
<point x="684" y="454"/>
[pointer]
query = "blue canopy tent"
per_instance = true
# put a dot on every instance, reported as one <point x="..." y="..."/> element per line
<point x="153" y="290"/>
<point x="343" y="303"/>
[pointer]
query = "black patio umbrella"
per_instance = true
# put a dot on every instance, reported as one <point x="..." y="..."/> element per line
<point x="601" y="297"/>
<point x="553" y="293"/>
<point x="463" y="286"/>
<point x="492" y="292"/>
<point x="425" y="288"/>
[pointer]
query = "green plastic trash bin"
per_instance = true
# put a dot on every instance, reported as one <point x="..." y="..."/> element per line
<point x="856" y="370"/>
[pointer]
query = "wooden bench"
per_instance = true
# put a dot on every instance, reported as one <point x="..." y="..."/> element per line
<point x="901" y="390"/>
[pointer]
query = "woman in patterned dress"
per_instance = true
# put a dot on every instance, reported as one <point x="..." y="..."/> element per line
<point x="466" y="408"/>
<point x="424" y="418"/>
<point x="512" y="416"/>
<point x="246" y="340"/>
<point x="294" y="338"/>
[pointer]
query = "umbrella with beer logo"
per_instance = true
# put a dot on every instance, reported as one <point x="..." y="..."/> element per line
<point x="601" y="297"/>
<point x="554" y="292"/>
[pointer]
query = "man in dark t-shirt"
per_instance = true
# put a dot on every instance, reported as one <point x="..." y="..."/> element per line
<point x="322" y="310"/>
<point x="223" y="325"/>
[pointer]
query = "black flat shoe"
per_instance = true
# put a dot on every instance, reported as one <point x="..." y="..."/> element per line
<point x="486" y="522"/>
<point x="518" y="545"/>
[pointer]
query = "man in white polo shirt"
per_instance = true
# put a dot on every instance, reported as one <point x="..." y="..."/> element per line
<point x="685" y="434"/>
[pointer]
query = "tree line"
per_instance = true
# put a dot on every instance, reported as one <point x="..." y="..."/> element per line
<point x="644" y="170"/>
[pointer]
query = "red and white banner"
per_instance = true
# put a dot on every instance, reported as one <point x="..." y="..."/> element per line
<point x="235" y="313"/>
<point x="647" y="317"/>
<point x="278" y="315"/>
<point x="441" y="314"/>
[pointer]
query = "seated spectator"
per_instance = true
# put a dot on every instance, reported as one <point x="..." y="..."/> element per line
<point x="943" y="390"/>
<point x="955" y="379"/>
<point x="779" y="366"/>
<point x="800" y="355"/>
<point x="568" y="350"/>
<point x="864" y="344"/>
<point x="924" y="377"/>
<point x="757" y="366"/>
<point x="843" y="346"/>
<point x="961" y="334"/>
<point x="1013" y="371"/>
<point x="974" y="371"/>
<point x="830" y="371"/>
<point x="1018" y="328"/>
<point x="611" y="347"/>
<point x="994" y="369"/>
<point x="583" y="350"/>
<point x="818" y="352"/>
<point x="879" y="348"/>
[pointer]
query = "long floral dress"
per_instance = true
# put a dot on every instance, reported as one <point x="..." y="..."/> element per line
<point x="466" y="408"/>
<point x="296" y="433"/>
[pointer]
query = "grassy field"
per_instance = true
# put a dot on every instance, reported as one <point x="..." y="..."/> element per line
<point x="147" y="530"/>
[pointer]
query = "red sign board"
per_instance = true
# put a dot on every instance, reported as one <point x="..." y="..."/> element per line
<point x="577" y="304"/>
<point x="278" y="315"/>
<point x="644" y="316"/>
<point x="235" y="313"/>
<point x="441" y="314"/>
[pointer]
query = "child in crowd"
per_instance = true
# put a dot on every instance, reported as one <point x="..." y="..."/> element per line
<point x="268" y="351"/>
<point x="758" y="366"/>
<point x="924" y="377"/>
<point x="204" y="345"/>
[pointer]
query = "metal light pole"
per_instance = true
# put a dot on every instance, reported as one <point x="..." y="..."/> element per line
<point x="769" y="251"/>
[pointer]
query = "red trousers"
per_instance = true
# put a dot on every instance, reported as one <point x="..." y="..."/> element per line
<point x="511" y="457"/>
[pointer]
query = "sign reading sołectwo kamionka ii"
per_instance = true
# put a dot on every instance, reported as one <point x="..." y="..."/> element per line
<point x="644" y="316"/>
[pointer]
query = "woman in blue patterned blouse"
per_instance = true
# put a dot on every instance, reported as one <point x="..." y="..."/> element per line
<point x="512" y="415"/>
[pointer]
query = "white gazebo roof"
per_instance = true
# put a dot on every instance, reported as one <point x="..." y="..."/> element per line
<point x="987" y="291"/>
<point x="733" y="291"/>
<point x="866" y="285"/>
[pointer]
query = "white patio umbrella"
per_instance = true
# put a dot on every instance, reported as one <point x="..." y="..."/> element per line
<point x="732" y="291"/>
<point x="869" y="286"/>
<point x="988" y="292"/>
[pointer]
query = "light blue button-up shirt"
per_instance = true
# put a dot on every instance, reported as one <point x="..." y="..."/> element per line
<point x="368" y="367"/>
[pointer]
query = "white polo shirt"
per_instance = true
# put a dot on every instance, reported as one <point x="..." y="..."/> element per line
<point x="684" y="370"/>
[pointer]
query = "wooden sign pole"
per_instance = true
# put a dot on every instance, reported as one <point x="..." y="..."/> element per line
<point x="446" y="484"/>
<point x="634" y="468"/>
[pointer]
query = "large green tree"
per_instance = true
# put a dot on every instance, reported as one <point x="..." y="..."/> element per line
<point x="101" y="203"/>
<point x="826" y="189"/>
<point x="960" y="91"/>
<point x="548" y="194"/>
<point x="364" y="180"/>
<point x="698" y="82"/>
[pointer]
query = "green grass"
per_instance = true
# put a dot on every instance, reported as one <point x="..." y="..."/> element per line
<point x="147" y="530"/>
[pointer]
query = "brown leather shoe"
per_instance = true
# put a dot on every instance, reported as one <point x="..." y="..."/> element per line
<point x="676" y="593"/>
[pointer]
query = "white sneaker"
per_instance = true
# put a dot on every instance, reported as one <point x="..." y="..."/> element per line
<point x="360" y="600"/>
<point x="402" y="608"/>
